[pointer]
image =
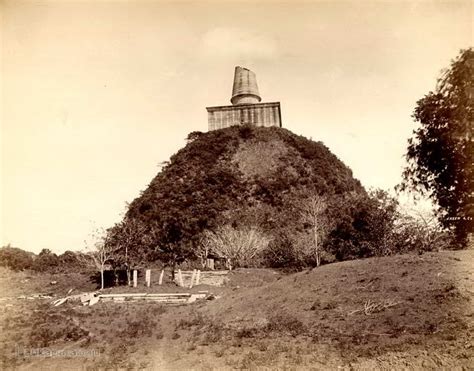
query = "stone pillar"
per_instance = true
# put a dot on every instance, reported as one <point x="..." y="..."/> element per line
<point x="210" y="263"/>
<point x="160" y="281"/>
<point x="180" y="278"/>
<point x="198" y="277"/>
<point x="193" y="277"/>
<point x="148" y="277"/>
<point x="135" y="278"/>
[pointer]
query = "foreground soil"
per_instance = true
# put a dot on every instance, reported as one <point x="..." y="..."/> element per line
<point x="400" y="312"/>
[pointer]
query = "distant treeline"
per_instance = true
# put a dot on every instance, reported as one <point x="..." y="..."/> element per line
<point x="46" y="261"/>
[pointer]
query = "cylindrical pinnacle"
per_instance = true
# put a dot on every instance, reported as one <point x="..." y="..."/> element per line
<point x="245" y="89"/>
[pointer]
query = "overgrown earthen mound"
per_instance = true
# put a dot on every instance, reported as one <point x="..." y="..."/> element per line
<point x="242" y="176"/>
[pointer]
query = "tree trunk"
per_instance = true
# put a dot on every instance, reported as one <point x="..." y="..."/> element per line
<point x="318" y="258"/>
<point x="129" y="280"/>
<point x="173" y="265"/>
<point x="102" y="278"/>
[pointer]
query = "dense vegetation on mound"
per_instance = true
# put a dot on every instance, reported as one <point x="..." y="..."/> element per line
<point x="258" y="196"/>
<point x="255" y="178"/>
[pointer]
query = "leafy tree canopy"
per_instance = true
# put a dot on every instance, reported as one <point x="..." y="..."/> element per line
<point x="440" y="153"/>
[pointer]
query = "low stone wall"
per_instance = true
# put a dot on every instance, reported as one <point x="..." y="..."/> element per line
<point x="211" y="278"/>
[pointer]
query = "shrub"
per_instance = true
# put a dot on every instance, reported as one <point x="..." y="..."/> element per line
<point x="15" y="258"/>
<point x="418" y="231"/>
<point x="284" y="322"/>
<point x="214" y="334"/>
<point x="136" y="328"/>
<point x="143" y="325"/>
<point x="294" y="253"/>
<point x="246" y="333"/>
<point x="43" y="333"/>
<point x="280" y="253"/>
<point x="43" y="336"/>
<point x="243" y="246"/>
<point x="245" y="131"/>
<point x="75" y="333"/>
<point x="364" y="226"/>
<point x="327" y="257"/>
<point x="193" y="136"/>
<point x="195" y="320"/>
<point x="46" y="261"/>
<point x="71" y="261"/>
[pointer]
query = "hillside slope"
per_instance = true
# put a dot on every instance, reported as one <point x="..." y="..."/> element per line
<point x="401" y="312"/>
<point x="406" y="311"/>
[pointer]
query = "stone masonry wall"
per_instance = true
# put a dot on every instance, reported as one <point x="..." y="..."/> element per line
<point x="259" y="114"/>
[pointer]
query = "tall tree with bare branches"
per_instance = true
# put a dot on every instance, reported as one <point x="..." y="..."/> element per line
<point x="99" y="252"/>
<point x="313" y="216"/>
<point x="241" y="246"/>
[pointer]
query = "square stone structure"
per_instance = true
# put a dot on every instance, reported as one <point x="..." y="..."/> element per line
<point x="258" y="114"/>
<point x="246" y="108"/>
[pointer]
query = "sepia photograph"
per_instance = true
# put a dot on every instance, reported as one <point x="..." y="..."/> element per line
<point x="237" y="185"/>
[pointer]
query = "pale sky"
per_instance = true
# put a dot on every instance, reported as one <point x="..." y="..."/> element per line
<point x="95" y="95"/>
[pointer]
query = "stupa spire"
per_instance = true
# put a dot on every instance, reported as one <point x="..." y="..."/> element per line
<point x="245" y="89"/>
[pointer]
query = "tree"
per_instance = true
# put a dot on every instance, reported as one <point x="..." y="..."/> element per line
<point x="100" y="252"/>
<point x="282" y="253"/>
<point x="363" y="225"/>
<point x="240" y="246"/>
<point x="126" y="238"/>
<point x="164" y="241"/>
<point x="378" y="219"/>
<point x="440" y="153"/>
<point x="203" y="250"/>
<point x="313" y="215"/>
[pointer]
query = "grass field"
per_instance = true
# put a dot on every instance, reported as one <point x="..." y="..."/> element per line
<point x="407" y="311"/>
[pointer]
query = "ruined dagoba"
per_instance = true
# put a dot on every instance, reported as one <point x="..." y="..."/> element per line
<point x="246" y="107"/>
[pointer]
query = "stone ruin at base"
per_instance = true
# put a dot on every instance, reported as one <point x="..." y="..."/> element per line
<point x="246" y="107"/>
